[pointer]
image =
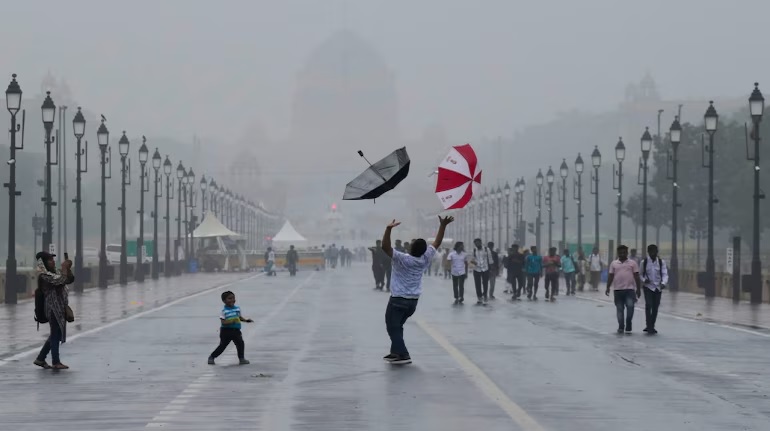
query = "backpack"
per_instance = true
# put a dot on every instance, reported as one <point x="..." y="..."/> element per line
<point x="644" y="266"/>
<point x="40" y="315"/>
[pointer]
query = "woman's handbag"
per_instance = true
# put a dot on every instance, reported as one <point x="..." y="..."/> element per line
<point x="69" y="314"/>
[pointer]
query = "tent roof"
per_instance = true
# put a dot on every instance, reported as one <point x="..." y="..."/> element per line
<point x="288" y="234"/>
<point x="211" y="227"/>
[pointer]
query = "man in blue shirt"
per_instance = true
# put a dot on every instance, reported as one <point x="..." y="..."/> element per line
<point x="406" y="286"/>
<point x="534" y="267"/>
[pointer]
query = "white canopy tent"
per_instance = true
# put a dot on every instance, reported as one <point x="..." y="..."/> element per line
<point x="211" y="227"/>
<point x="289" y="236"/>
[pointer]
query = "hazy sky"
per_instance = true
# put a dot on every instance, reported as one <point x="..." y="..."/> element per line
<point x="479" y="67"/>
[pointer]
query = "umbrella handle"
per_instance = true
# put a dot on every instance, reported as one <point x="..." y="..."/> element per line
<point x="361" y="153"/>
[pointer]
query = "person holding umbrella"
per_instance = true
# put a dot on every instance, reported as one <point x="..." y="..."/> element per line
<point x="406" y="286"/>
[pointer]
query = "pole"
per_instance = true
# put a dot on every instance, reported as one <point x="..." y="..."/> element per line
<point x="123" y="251"/>
<point x="756" y="264"/>
<point x="644" y="207"/>
<point x="167" y="260"/>
<point x="508" y="219"/>
<point x="48" y="234"/>
<point x="78" y="221"/>
<point x="186" y="228"/>
<point x="103" y="205"/>
<point x="539" y="215"/>
<point x="64" y="180"/>
<point x="550" y="216"/>
<point x="710" y="265"/>
<point x="155" y="230"/>
<point x="178" y="242"/>
<point x="564" y="213"/>
<point x="139" y="273"/>
<point x="580" y="212"/>
<point x="500" y="223"/>
<point x="10" y="264"/>
<point x="673" y="278"/>
<point x="618" y="239"/>
<point x="596" y="209"/>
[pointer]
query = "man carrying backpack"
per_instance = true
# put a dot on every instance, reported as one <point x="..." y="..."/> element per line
<point x="655" y="279"/>
<point x="52" y="306"/>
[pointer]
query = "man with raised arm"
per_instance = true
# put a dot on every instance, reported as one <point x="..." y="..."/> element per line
<point x="406" y="286"/>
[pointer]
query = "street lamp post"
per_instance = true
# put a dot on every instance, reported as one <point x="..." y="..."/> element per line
<point x="49" y="112"/>
<point x="549" y="178"/>
<point x="156" y="162"/>
<point x="103" y="139"/>
<point x="520" y="222"/>
<point x="596" y="162"/>
<point x="757" y="108"/>
<point x="213" y="197"/>
<point x="620" y="155"/>
<point x="180" y="175"/>
<point x="37" y="227"/>
<point x="711" y="119"/>
<point x="539" y="200"/>
<point x="125" y="172"/>
<point x="500" y="217"/>
<point x="563" y="172"/>
<point x="191" y="222"/>
<point x="13" y="103"/>
<point x="507" y="191"/>
<point x="204" y="188"/>
<point x="675" y="135"/>
<point x="646" y="148"/>
<point x="143" y="155"/>
<point x="577" y="194"/>
<point x="169" y="194"/>
<point x="79" y="128"/>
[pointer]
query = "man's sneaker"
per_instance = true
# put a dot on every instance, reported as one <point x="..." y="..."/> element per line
<point x="479" y="302"/>
<point x="391" y="357"/>
<point x="211" y="360"/>
<point x="646" y="330"/>
<point x="653" y="331"/>
<point x="620" y="330"/>
<point x="243" y="362"/>
<point x="546" y="294"/>
<point x="401" y="360"/>
<point x="42" y="364"/>
<point x="628" y="330"/>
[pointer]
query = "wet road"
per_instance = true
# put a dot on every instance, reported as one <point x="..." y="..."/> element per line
<point x="316" y="348"/>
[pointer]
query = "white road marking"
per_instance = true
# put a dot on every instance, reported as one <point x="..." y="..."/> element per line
<point x="483" y="382"/>
<point x="29" y="352"/>
<point x="686" y="319"/>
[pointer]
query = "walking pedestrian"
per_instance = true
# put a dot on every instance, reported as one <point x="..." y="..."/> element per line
<point x="568" y="268"/>
<point x="378" y="270"/>
<point x="623" y="277"/>
<point x="437" y="262"/>
<point x="552" y="264"/>
<point x="515" y="271"/>
<point x="292" y="259"/>
<point x="534" y="267"/>
<point x="52" y="289"/>
<point x="270" y="262"/>
<point x="480" y="260"/>
<point x="494" y="268"/>
<point x="407" y="286"/>
<point x="446" y="265"/>
<point x="230" y="330"/>
<point x="596" y="266"/>
<point x="655" y="277"/>
<point x="582" y="270"/>
<point x="458" y="260"/>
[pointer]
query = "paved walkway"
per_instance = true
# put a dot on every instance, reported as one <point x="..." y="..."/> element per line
<point x="95" y="307"/>
<point x="694" y="306"/>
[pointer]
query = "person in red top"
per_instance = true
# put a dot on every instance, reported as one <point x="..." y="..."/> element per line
<point x="624" y="278"/>
<point x="551" y="264"/>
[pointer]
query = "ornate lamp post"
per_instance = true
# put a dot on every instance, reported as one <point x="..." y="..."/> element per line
<point x="711" y="119"/>
<point x="156" y="162"/>
<point x="539" y="200"/>
<point x="520" y="220"/>
<point x="191" y="205"/>
<point x="620" y="155"/>
<point x="143" y="155"/>
<point x="499" y="196"/>
<point x="125" y="171"/>
<point x="79" y="128"/>
<point x="757" y="108"/>
<point x="646" y="148"/>
<point x="49" y="112"/>
<point x="204" y="188"/>
<point x="103" y="138"/>
<point x="675" y="133"/>
<point x="596" y="162"/>
<point x="577" y="194"/>
<point x="563" y="172"/>
<point x="549" y="178"/>
<point x="507" y="191"/>
<point x="213" y="197"/>
<point x="13" y="103"/>
<point x="180" y="175"/>
<point x="167" y="167"/>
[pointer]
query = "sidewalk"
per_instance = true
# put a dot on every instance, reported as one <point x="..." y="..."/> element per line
<point x="694" y="306"/>
<point x="95" y="307"/>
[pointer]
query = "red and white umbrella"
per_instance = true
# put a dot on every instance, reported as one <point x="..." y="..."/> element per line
<point x="458" y="177"/>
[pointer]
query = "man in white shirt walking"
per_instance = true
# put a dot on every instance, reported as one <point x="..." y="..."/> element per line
<point x="481" y="259"/>
<point x="655" y="278"/>
<point x="596" y="266"/>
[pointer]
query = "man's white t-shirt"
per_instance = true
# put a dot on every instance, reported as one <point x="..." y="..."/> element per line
<point x="406" y="275"/>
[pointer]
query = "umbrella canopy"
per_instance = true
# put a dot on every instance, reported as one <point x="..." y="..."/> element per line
<point x="458" y="177"/>
<point x="379" y="177"/>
